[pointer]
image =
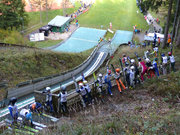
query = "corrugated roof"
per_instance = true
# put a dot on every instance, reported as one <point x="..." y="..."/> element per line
<point x="59" y="21"/>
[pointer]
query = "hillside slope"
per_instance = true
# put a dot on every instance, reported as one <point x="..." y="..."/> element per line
<point x="123" y="14"/>
<point x="151" y="108"/>
<point x="17" y="65"/>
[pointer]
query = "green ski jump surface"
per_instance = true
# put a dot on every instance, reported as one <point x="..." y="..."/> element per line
<point x="82" y="39"/>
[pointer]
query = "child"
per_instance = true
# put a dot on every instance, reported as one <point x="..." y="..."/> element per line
<point x="143" y="68"/>
<point x="88" y="89"/>
<point x="49" y="98"/>
<point x="155" y="66"/>
<point x="26" y="117"/>
<point x="63" y="99"/>
<point x="127" y="73"/>
<point x="164" y="63"/>
<point x="36" y="107"/>
<point x="132" y="76"/>
<point x="118" y="79"/>
<point x="107" y="80"/>
<point x="83" y="92"/>
<point x="13" y="109"/>
<point x="172" y="61"/>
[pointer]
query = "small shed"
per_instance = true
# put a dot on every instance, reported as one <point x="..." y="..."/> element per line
<point x="59" y="23"/>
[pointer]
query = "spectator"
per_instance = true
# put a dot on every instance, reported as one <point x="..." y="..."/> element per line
<point x="157" y="20"/>
<point x="109" y="40"/>
<point x="110" y="25"/>
<point x="159" y="41"/>
<point x="169" y="41"/>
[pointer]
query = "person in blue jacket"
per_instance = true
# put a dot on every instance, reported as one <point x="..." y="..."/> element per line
<point x="36" y="107"/>
<point x="13" y="110"/>
<point x="107" y="80"/>
<point x="155" y="66"/>
<point x="26" y="116"/>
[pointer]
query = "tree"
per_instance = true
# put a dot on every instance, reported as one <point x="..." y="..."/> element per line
<point x="64" y="5"/>
<point x="150" y="4"/>
<point x="175" y="19"/>
<point x="167" y="24"/>
<point x="177" y="34"/>
<point x="12" y="14"/>
<point x="41" y="5"/>
<point x="37" y="4"/>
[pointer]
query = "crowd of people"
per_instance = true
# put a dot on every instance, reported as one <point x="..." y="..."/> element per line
<point x="132" y="72"/>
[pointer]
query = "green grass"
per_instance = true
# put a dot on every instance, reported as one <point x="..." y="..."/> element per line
<point x="121" y="123"/>
<point x="109" y="35"/>
<point x="18" y="65"/>
<point x="122" y="13"/>
<point x="160" y="117"/>
<point x="34" y="17"/>
<point x="47" y="43"/>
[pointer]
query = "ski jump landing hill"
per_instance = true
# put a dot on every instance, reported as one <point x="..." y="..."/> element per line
<point x="92" y="63"/>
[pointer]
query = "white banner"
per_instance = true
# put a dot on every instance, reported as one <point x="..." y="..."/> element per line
<point x="36" y="37"/>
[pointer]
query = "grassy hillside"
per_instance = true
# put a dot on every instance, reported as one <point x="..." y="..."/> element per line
<point x="122" y="13"/>
<point x="34" y="17"/>
<point x="47" y="43"/>
<point x="18" y="65"/>
<point x="151" y="108"/>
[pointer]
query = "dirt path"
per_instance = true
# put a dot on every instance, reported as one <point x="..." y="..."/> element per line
<point x="153" y="26"/>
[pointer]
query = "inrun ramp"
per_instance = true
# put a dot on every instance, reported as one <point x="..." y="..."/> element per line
<point x="82" y="39"/>
<point x="120" y="37"/>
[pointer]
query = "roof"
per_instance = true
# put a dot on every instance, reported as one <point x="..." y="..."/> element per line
<point x="59" y="21"/>
<point x="45" y="27"/>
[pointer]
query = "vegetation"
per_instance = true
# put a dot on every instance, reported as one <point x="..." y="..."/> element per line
<point x="13" y="37"/>
<point x="34" y="17"/>
<point x="47" y="43"/>
<point x="17" y="67"/>
<point x="151" y="108"/>
<point x="144" y="123"/>
<point x="161" y="15"/>
<point x="123" y="14"/>
<point x="12" y="14"/>
<point x="172" y="16"/>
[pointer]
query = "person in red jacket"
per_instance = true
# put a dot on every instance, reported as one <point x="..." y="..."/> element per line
<point x="143" y="68"/>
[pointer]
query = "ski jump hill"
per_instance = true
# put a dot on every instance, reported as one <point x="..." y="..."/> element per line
<point x="82" y="39"/>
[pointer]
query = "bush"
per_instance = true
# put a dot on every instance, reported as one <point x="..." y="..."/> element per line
<point x="13" y="37"/>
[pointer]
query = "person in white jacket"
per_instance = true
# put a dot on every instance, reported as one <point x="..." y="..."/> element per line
<point x="132" y="76"/>
<point x="63" y="99"/>
<point x="172" y="61"/>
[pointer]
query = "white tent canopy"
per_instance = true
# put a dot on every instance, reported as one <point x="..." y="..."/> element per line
<point x="58" y="21"/>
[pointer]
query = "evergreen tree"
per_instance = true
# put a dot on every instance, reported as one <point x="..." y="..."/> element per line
<point x="12" y="14"/>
